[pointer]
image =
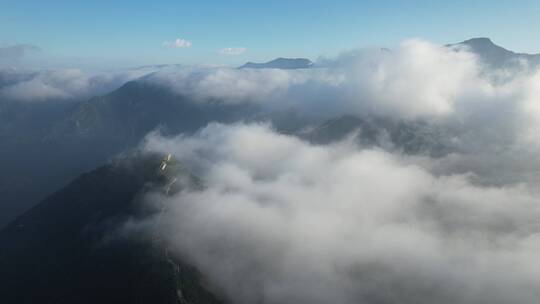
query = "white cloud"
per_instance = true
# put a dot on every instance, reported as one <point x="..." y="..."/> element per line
<point x="233" y="51"/>
<point x="284" y="221"/>
<point x="418" y="79"/>
<point x="28" y="86"/>
<point x="226" y="84"/>
<point x="33" y="89"/>
<point x="177" y="44"/>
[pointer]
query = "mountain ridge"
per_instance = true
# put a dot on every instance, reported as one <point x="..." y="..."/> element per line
<point x="280" y="63"/>
<point x="496" y="56"/>
<point x="66" y="250"/>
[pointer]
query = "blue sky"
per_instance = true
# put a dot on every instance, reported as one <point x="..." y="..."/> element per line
<point x="131" y="33"/>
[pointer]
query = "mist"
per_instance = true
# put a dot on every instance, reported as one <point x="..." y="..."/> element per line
<point x="30" y="85"/>
<point x="283" y="220"/>
<point x="488" y="117"/>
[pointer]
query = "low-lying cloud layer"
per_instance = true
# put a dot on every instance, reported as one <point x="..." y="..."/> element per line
<point x="284" y="221"/>
<point x="62" y="84"/>
<point x="281" y="220"/>
<point x="490" y="115"/>
<point x="416" y="80"/>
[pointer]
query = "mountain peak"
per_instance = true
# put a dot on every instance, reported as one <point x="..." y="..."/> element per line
<point x="483" y="45"/>
<point x="479" y="41"/>
<point x="281" y="63"/>
<point x="496" y="56"/>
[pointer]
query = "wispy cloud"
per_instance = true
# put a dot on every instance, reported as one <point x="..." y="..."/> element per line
<point x="233" y="51"/>
<point x="178" y="43"/>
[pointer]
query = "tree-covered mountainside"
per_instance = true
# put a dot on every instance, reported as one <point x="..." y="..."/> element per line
<point x="411" y="137"/>
<point x="70" y="248"/>
<point x="80" y="136"/>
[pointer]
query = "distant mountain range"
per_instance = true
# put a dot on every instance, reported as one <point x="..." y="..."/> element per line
<point x="281" y="63"/>
<point x="77" y="137"/>
<point x="492" y="55"/>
